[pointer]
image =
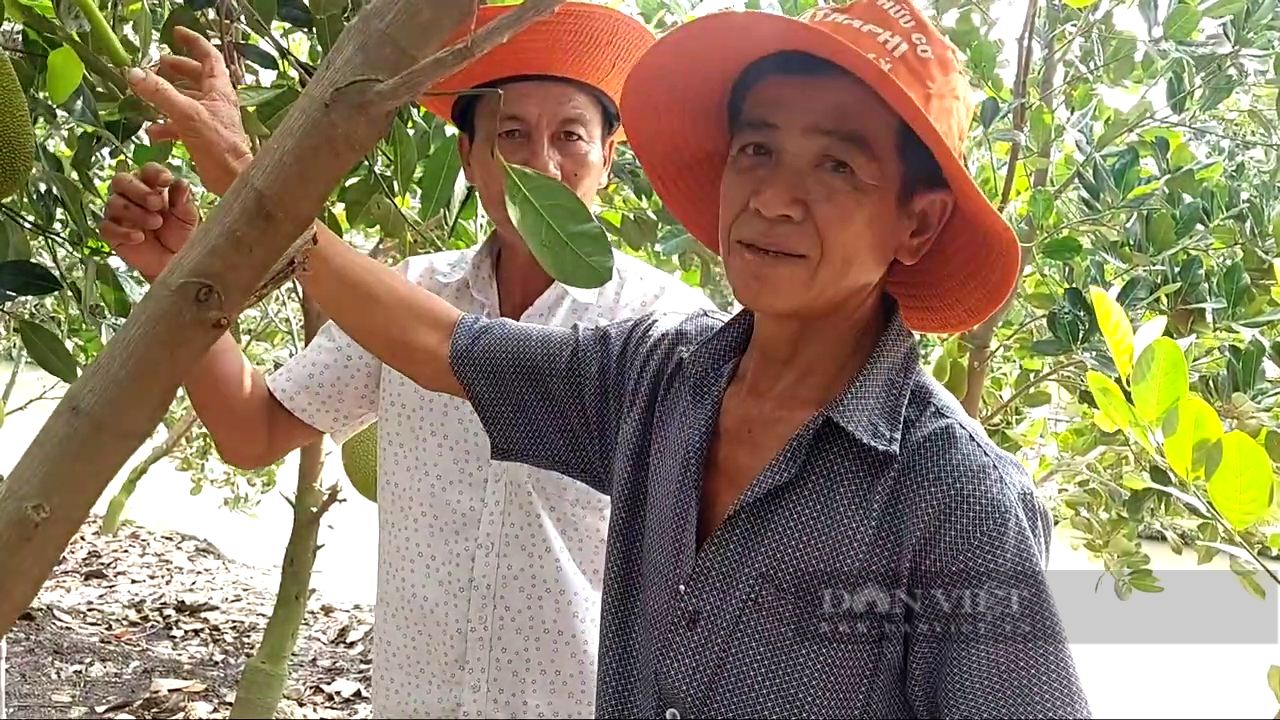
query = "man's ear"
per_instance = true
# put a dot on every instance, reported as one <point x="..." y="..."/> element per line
<point x="610" y="146"/>
<point x="464" y="152"/>
<point x="926" y="214"/>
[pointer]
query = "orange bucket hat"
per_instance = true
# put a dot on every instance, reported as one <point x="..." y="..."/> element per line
<point x="676" y="105"/>
<point x="582" y="41"/>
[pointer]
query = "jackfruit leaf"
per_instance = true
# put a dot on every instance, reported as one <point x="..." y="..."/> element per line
<point x="65" y="70"/>
<point x="1115" y="328"/>
<point x="1148" y="331"/>
<point x="1181" y="22"/>
<point x="436" y="184"/>
<point x="1240" y="479"/>
<point x="564" y="237"/>
<point x="1189" y="427"/>
<point x="1159" y="379"/>
<point x="27" y="279"/>
<point x="48" y="351"/>
<point x="1111" y="400"/>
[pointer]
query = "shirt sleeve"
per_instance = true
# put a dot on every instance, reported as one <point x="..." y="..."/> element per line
<point x="332" y="385"/>
<point x="549" y="396"/>
<point x="987" y="640"/>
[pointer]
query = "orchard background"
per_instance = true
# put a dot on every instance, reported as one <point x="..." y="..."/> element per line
<point x="1134" y="146"/>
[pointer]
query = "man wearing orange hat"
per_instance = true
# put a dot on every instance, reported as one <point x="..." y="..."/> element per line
<point x="490" y="573"/>
<point x="804" y="523"/>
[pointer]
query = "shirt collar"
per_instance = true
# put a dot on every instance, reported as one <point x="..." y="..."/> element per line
<point x="476" y="268"/>
<point x="872" y="407"/>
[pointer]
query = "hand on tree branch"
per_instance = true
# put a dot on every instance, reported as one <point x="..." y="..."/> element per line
<point x="201" y="108"/>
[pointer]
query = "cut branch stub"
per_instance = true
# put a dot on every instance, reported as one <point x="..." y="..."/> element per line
<point x="111" y="410"/>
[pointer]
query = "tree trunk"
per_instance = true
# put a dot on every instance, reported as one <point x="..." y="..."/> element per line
<point x="115" y="508"/>
<point x="979" y="339"/>
<point x="115" y="405"/>
<point x="264" y="677"/>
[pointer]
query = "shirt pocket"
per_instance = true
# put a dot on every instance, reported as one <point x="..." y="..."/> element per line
<point x="794" y="652"/>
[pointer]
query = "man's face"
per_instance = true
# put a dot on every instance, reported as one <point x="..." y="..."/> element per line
<point x="551" y="127"/>
<point x="810" y="215"/>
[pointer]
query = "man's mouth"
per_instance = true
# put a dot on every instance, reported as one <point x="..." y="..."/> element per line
<point x="768" y="252"/>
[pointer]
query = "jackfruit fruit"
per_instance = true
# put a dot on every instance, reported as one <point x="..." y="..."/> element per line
<point x="17" y="137"/>
<point x="360" y="461"/>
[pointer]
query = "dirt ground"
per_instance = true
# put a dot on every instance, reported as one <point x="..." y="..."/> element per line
<point x="159" y="624"/>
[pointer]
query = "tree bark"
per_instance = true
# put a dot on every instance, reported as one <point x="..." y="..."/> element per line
<point x="111" y="410"/>
<point x="264" y="677"/>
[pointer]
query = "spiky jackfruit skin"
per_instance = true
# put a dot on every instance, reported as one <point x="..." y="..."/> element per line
<point x="360" y="461"/>
<point x="17" y="137"/>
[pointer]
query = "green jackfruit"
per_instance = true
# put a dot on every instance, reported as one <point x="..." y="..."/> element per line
<point x="360" y="461"/>
<point x="17" y="137"/>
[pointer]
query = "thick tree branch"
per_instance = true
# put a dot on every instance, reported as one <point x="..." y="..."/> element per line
<point x="115" y="405"/>
<point x="409" y="84"/>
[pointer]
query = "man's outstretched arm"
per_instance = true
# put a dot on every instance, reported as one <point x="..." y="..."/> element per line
<point x="547" y="396"/>
<point x="401" y="323"/>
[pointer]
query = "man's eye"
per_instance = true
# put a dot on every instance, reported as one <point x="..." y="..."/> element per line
<point x="571" y="136"/>
<point x="513" y="134"/>
<point x="754" y="149"/>
<point x="840" y="167"/>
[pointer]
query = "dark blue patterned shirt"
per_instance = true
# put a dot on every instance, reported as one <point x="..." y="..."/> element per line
<point x="889" y="562"/>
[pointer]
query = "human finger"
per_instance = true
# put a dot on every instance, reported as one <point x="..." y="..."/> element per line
<point x="155" y="175"/>
<point x="176" y="67"/>
<point x="202" y="51"/>
<point x="163" y="96"/>
<point x="182" y="204"/>
<point x="161" y="131"/>
<point x="133" y="189"/>
<point x="124" y="213"/>
<point x="115" y="235"/>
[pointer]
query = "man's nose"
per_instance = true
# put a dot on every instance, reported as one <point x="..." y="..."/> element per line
<point x="543" y="158"/>
<point x="777" y="197"/>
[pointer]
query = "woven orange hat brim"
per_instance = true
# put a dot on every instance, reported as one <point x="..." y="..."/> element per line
<point x="586" y="42"/>
<point x="676" y="104"/>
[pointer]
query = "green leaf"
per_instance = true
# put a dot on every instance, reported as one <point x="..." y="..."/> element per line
<point x="65" y="70"/>
<point x="1111" y="400"/>
<point x="439" y="177"/>
<point x="564" y="237"/>
<point x="27" y="279"/>
<point x="1159" y="379"/>
<point x="48" y="351"/>
<point x="1188" y="429"/>
<point x="1273" y="680"/>
<point x="266" y="10"/>
<point x="1224" y="8"/>
<point x="1063" y="248"/>
<point x="1181" y="22"/>
<point x="405" y="154"/>
<point x="142" y="25"/>
<point x="1148" y="331"/>
<point x="1240" y="479"/>
<point x="1115" y="328"/>
<point x="988" y="111"/>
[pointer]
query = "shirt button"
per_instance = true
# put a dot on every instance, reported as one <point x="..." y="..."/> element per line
<point x="681" y="589"/>
<point x="672" y="713"/>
